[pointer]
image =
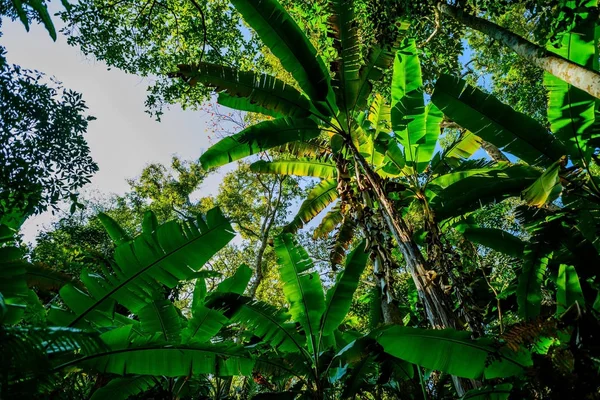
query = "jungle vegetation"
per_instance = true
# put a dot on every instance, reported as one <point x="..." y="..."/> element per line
<point x="414" y="213"/>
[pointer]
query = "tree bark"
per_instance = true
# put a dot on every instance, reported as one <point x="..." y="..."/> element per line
<point x="389" y="310"/>
<point x="438" y="307"/>
<point x="493" y="151"/>
<point x="438" y="310"/>
<point x="264" y="239"/>
<point x="570" y="72"/>
<point x="364" y="217"/>
<point x="259" y="275"/>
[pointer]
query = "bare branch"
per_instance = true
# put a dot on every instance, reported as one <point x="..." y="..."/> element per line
<point x="204" y="31"/>
<point x="437" y="28"/>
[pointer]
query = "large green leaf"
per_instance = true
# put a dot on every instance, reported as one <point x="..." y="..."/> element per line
<point x="332" y="219"/>
<point x="313" y="168"/>
<point x="571" y="111"/>
<point x="115" y="231"/>
<point x="123" y="388"/>
<point x="379" y="116"/>
<point x="13" y="284"/>
<point x="21" y="12"/>
<point x="173" y="253"/>
<point x="161" y="316"/>
<point x="236" y="283"/>
<point x="261" y="90"/>
<point x="318" y="199"/>
<point x="536" y="257"/>
<point x="41" y="14"/>
<point x="301" y="285"/>
<point x="546" y="188"/>
<point x="568" y="289"/>
<point x="453" y="352"/>
<point x="205" y="323"/>
<point x="496" y="239"/>
<point x="280" y="33"/>
<point x="244" y="104"/>
<point x="42" y="11"/>
<point x="393" y="161"/>
<point x="150" y="223"/>
<point x="408" y="107"/>
<point x="257" y="138"/>
<point x="445" y="180"/>
<point x="461" y="149"/>
<point x="343" y="27"/>
<point x="426" y="147"/>
<point x="406" y="79"/>
<point x="262" y="319"/>
<point x="169" y="360"/>
<point x="495" y="122"/>
<point x="27" y="353"/>
<point x="472" y="192"/>
<point x="339" y="297"/>
<point x="203" y="326"/>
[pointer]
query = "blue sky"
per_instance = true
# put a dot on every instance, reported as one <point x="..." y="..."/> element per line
<point x="124" y="138"/>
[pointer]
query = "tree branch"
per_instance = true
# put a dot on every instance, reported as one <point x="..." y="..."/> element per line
<point x="437" y="28"/>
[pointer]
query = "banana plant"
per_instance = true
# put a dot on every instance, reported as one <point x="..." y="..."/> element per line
<point x="316" y="107"/>
<point x="321" y="357"/>
<point x="306" y="338"/>
<point x="152" y="337"/>
<point x="565" y="152"/>
<point x="25" y="342"/>
<point x="323" y="107"/>
<point x="441" y="184"/>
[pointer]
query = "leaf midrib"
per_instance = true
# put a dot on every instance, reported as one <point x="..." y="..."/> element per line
<point x="142" y="270"/>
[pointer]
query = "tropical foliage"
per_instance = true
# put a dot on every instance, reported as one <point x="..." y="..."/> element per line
<point x="445" y="245"/>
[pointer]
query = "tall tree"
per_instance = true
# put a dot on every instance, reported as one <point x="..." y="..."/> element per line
<point x="44" y="154"/>
<point x="583" y="77"/>
<point x="257" y="205"/>
<point x="150" y="38"/>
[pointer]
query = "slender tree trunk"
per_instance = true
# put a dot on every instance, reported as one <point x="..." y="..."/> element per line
<point x="439" y="311"/>
<point x="447" y="262"/>
<point x="570" y="72"/>
<point x="264" y="239"/>
<point x="363" y="216"/>
<point x="438" y="306"/>
<point x="389" y="310"/>
<point x="258" y="267"/>
<point x="493" y="151"/>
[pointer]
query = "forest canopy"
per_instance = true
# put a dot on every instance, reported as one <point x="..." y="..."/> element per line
<point x="413" y="211"/>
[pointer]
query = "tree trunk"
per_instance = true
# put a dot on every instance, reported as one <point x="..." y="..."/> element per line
<point x="389" y="310"/>
<point x="493" y="151"/>
<point x="438" y="306"/>
<point x="370" y="223"/>
<point x="439" y="312"/>
<point x="258" y="277"/>
<point x="570" y="72"/>
<point x="265" y="230"/>
<point x="444" y="258"/>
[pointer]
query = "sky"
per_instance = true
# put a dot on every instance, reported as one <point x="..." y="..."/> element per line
<point x="124" y="138"/>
